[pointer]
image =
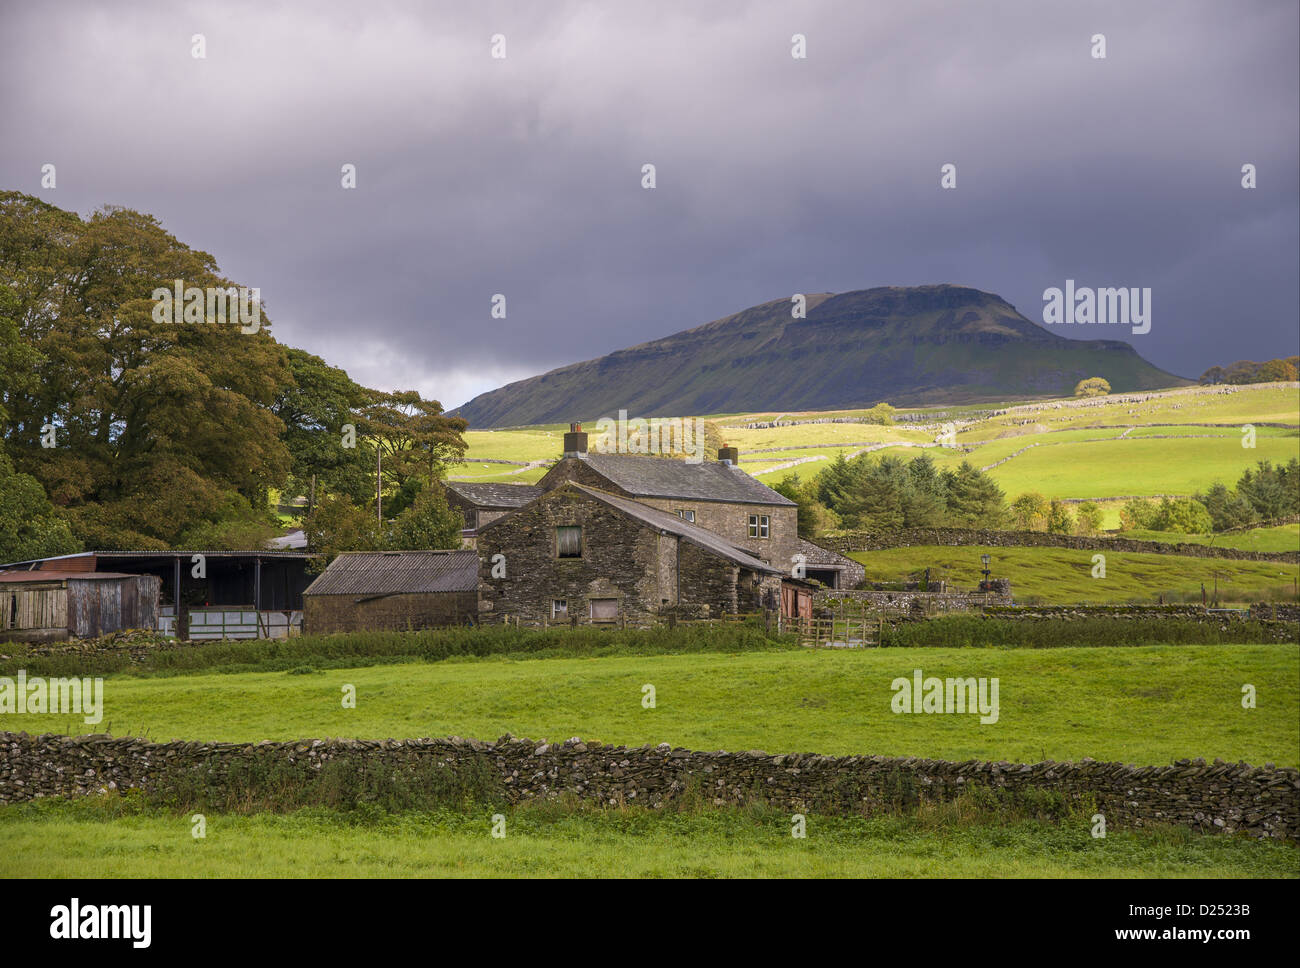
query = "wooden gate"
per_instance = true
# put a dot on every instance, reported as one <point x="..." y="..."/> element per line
<point x="841" y="629"/>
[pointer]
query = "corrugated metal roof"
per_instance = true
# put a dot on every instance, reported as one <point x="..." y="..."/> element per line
<point x="672" y="524"/>
<point x="495" y="495"/>
<point x="667" y="477"/>
<point x="398" y="572"/>
<point x="39" y="576"/>
<point x="261" y="553"/>
<point x="164" y="554"/>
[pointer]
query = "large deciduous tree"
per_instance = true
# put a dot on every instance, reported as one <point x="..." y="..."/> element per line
<point x="156" y="426"/>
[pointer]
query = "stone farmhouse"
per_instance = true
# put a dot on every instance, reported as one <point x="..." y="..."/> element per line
<point x="601" y="539"/>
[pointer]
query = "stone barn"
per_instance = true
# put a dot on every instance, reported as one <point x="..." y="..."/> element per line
<point x="831" y="568"/>
<point x="52" y="606"/>
<point x="393" y="591"/>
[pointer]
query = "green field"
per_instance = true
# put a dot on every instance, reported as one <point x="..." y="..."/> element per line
<point x="1062" y="576"/>
<point x="1147" y="705"/>
<point x="1115" y="448"/>
<point x="1142" y="466"/>
<point x="112" y="837"/>
<point x="1283" y="537"/>
<point x="497" y="473"/>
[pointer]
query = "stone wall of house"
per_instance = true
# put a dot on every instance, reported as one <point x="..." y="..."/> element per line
<point x="731" y="520"/>
<point x="880" y="540"/>
<point x="619" y="560"/>
<point x="324" y="614"/>
<point x="1210" y="797"/>
<point x="706" y="581"/>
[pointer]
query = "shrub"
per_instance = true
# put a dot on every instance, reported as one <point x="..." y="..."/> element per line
<point x="1087" y="519"/>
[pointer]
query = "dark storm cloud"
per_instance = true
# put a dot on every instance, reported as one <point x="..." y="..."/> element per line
<point x="522" y="176"/>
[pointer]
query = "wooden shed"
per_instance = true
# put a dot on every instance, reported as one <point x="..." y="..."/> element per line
<point x="50" y="606"/>
<point x="204" y="594"/>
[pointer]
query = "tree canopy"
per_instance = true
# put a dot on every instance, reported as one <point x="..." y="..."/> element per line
<point x="142" y="433"/>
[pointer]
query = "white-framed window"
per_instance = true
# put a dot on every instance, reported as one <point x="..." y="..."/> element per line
<point x="686" y="514"/>
<point x="559" y="608"/>
<point x="604" y="609"/>
<point x="568" y="541"/>
<point x="760" y="526"/>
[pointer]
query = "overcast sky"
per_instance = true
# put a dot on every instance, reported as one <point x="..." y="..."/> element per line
<point x="775" y="175"/>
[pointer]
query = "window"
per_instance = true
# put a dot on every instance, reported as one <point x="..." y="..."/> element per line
<point x="604" y="609"/>
<point x="559" y="608"/>
<point x="759" y="526"/>
<point x="568" y="541"/>
<point x="686" y="514"/>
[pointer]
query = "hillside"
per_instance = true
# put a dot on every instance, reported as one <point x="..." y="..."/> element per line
<point x="922" y="345"/>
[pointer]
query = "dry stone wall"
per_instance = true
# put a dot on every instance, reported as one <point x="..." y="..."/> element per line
<point x="1216" y="797"/>
<point x="914" y="537"/>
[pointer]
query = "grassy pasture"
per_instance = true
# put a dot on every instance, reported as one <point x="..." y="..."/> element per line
<point x="1136" y="466"/>
<point x="520" y="445"/>
<point x="1282" y="537"/>
<point x="822" y="434"/>
<point x="1147" y="705"/>
<point x="497" y="474"/>
<point x="114" y="837"/>
<point x="1253" y="405"/>
<point x="1062" y="576"/>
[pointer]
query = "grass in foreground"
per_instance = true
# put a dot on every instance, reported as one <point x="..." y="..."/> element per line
<point x="113" y="837"/>
<point x="1063" y="576"/>
<point x="1144" y="704"/>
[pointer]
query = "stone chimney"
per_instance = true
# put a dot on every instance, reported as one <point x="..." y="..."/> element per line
<point x="575" y="441"/>
<point x="729" y="455"/>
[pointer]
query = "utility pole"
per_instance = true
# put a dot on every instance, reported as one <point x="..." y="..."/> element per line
<point x="379" y="485"/>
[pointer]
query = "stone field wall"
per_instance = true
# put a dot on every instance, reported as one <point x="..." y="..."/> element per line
<point x="915" y="537"/>
<point x="1218" y="797"/>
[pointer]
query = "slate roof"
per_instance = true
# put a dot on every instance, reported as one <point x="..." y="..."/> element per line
<point x="667" y="523"/>
<point x="710" y="480"/>
<point x="398" y="572"/>
<point x="822" y="558"/>
<point x="490" y="495"/>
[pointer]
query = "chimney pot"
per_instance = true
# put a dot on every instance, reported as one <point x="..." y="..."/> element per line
<point x="575" y="441"/>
